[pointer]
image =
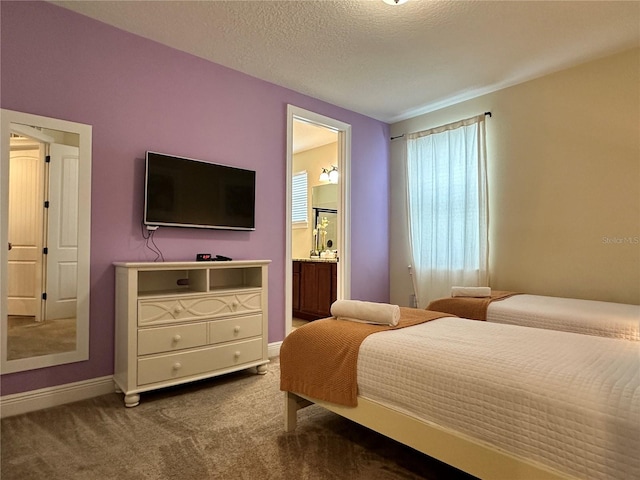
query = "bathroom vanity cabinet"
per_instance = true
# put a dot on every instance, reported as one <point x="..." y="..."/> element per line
<point x="314" y="288"/>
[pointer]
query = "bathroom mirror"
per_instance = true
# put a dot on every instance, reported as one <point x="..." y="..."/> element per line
<point x="45" y="194"/>
<point x="329" y="218"/>
<point x="324" y="202"/>
<point x="325" y="196"/>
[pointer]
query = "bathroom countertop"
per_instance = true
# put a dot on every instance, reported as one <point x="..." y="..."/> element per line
<point x="323" y="260"/>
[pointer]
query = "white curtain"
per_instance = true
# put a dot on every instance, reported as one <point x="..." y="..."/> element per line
<point x="447" y="208"/>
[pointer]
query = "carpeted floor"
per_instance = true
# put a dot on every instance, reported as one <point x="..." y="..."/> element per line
<point x="225" y="428"/>
<point x="28" y="338"/>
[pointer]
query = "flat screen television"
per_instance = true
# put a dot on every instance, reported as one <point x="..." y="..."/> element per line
<point x="182" y="192"/>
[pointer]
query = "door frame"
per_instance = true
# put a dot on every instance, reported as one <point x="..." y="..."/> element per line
<point x="344" y="205"/>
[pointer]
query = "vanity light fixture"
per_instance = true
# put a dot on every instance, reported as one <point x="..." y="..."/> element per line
<point x="394" y="2"/>
<point x="333" y="174"/>
<point x="329" y="175"/>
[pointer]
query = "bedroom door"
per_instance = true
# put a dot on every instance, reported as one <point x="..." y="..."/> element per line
<point x="62" y="236"/>
<point x="25" y="229"/>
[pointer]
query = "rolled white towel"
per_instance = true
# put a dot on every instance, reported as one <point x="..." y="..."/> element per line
<point x="366" y="312"/>
<point x="470" y="291"/>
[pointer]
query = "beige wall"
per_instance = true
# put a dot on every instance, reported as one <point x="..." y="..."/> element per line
<point x="564" y="183"/>
<point x="313" y="161"/>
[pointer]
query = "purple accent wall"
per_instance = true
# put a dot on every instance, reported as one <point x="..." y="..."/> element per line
<point x="139" y="95"/>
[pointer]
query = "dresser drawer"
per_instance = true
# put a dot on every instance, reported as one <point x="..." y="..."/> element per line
<point x="155" y="311"/>
<point x="235" y="328"/>
<point x="167" y="339"/>
<point x="183" y="364"/>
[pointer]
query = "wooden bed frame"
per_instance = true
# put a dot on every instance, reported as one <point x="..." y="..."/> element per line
<point x="453" y="448"/>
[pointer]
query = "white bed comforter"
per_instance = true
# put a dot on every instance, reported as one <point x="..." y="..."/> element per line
<point x="568" y="401"/>
<point x="589" y="317"/>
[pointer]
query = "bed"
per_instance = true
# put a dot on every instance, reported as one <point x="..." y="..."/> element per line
<point x="494" y="400"/>
<point x="590" y="317"/>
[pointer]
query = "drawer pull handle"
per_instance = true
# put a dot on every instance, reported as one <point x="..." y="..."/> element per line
<point x="177" y="366"/>
<point x="236" y="329"/>
<point x="177" y="338"/>
<point x="237" y="354"/>
<point x="178" y="309"/>
<point x="234" y="304"/>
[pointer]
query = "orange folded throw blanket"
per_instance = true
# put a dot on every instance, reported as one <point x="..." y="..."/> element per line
<point x="468" y="307"/>
<point x="320" y="359"/>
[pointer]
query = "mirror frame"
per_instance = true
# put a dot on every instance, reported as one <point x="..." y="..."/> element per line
<point x="81" y="353"/>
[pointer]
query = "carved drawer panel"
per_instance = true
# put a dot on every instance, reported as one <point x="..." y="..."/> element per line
<point x="183" y="364"/>
<point x="235" y="328"/>
<point x="167" y="339"/>
<point x="153" y="311"/>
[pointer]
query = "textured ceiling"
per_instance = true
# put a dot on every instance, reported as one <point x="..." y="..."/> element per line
<point x="387" y="62"/>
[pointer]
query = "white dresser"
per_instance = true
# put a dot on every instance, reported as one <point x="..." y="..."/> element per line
<point x="177" y="322"/>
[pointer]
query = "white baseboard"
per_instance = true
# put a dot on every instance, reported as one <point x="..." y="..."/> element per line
<point x="53" y="396"/>
<point x="274" y="349"/>
<point x="25" y="402"/>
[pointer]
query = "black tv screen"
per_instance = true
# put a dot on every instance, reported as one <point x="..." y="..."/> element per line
<point x="182" y="192"/>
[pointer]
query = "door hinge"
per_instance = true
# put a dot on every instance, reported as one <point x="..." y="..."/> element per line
<point x="47" y="159"/>
<point x="44" y="296"/>
<point x="46" y="204"/>
<point x="45" y="250"/>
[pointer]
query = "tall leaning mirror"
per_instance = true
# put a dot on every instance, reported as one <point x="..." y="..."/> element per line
<point x="45" y="195"/>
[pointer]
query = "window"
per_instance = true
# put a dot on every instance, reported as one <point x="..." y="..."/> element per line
<point x="299" y="205"/>
<point x="447" y="206"/>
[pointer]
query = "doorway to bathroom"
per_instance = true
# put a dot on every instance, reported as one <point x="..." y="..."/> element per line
<point x="320" y="148"/>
